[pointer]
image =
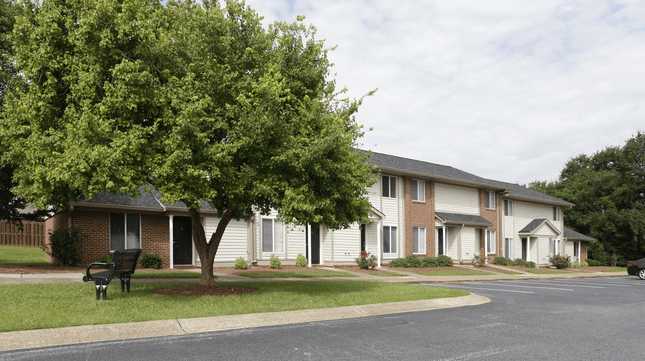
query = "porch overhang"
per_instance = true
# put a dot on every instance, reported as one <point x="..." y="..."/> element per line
<point x="375" y="215"/>
<point x="533" y="228"/>
<point x="462" y="219"/>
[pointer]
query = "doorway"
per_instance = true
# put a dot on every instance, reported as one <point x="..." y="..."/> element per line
<point x="363" y="241"/>
<point x="315" y="243"/>
<point x="182" y="244"/>
<point x="525" y="245"/>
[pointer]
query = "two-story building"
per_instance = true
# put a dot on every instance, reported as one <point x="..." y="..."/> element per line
<point x="418" y="208"/>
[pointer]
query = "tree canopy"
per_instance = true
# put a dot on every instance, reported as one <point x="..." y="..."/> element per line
<point x="199" y="100"/>
<point x="608" y="189"/>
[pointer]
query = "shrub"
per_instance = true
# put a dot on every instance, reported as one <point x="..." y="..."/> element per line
<point x="560" y="261"/>
<point x="429" y="262"/>
<point x="372" y="261"/>
<point x="530" y="264"/>
<point x="66" y="246"/>
<point x="519" y="262"/>
<point x="301" y="261"/>
<point x="412" y="261"/>
<point x="502" y="261"/>
<point x="106" y="259"/>
<point x="595" y="262"/>
<point x="149" y="260"/>
<point x="362" y="262"/>
<point x="478" y="261"/>
<point x="443" y="261"/>
<point x="399" y="262"/>
<point x="241" y="263"/>
<point x="275" y="262"/>
<point x="578" y="264"/>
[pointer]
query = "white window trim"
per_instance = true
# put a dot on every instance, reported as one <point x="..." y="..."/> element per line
<point x="556" y="213"/>
<point x="508" y="205"/>
<point x="125" y="229"/>
<point x="391" y="179"/>
<point x="491" y="241"/>
<point x="508" y="247"/>
<point x="421" y="184"/>
<point x="273" y="251"/>
<point x="492" y="204"/>
<point x="421" y="241"/>
<point x="390" y="254"/>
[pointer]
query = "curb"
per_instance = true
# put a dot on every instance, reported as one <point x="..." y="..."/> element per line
<point x="18" y="340"/>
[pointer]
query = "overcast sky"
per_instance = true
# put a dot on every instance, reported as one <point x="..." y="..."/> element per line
<point x="504" y="89"/>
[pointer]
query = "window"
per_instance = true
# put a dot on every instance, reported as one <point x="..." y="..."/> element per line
<point x="271" y="235"/>
<point x="490" y="200"/>
<point x="490" y="242"/>
<point x="418" y="190"/>
<point x="418" y="240"/>
<point x="388" y="186"/>
<point x="389" y="239"/>
<point x="556" y="213"/>
<point x="508" y="207"/>
<point x="508" y="244"/>
<point x="125" y="231"/>
<point x="575" y="249"/>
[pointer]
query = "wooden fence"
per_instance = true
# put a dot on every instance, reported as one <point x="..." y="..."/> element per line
<point x="25" y="234"/>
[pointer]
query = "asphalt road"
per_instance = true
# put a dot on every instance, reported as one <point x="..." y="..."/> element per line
<point x="572" y="319"/>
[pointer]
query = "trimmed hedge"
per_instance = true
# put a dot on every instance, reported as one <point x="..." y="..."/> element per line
<point x="502" y="261"/>
<point x="560" y="262"/>
<point x="66" y="246"/>
<point x="422" y="261"/>
<point x="523" y="263"/>
<point x="149" y="260"/>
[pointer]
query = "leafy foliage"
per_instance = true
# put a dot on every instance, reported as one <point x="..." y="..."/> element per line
<point x="66" y="246"/>
<point x="366" y="261"/>
<point x="608" y="190"/>
<point x="241" y="263"/>
<point x="415" y="261"/>
<point x="150" y="260"/>
<point x="301" y="261"/>
<point x="502" y="261"/>
<point x="275" y="263"/>
<point x="560" y="261"/>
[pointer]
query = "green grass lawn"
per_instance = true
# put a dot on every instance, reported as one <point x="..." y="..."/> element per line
<point x="22" y="256"/>
<point x="304" y="273"/>
<point x="544" y="270"/>
<point x="448" y="271"/>
<point x="165" y="274"/>
<point x="33" y="306"/>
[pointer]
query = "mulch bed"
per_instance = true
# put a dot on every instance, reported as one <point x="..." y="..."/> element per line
<point x="204" y="291"/>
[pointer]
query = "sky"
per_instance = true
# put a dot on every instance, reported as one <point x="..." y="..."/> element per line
<point x="508" y="90"/>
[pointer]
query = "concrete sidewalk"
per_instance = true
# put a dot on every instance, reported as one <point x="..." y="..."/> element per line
<point x="135" y="330"/>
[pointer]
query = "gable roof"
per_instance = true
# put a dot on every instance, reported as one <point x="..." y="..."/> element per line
<point x="535" y="224"/>
<point x="439" y="172"/>
<point x="572" y="234"/>
<point x="465" y="219"/>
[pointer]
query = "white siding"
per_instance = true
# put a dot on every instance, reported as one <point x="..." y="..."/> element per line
<point x="456" y="199"/>
<point x="393" y="210"/>
<point x="347" y="244"/>
<point x="468" y="243"/>
<point x="452" y="249"/>
<point x="523" y="213"/>
<point x="568" y="249"/>
<point x="370" y="238"/>
<point x="296" y="241"/>
<point x="234" y="242"/>
<point x="544" y="251"/>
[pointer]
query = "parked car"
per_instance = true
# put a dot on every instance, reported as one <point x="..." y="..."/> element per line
<point x="636" y="268"/>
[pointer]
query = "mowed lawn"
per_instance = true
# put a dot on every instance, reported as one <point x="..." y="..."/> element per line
<point x="33" y="306"/>
<point x="22" y="256"/>
<point x="293" y="273"/>
<point x="448" y="271"/>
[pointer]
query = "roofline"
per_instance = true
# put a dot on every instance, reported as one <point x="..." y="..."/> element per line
<point x="549" y="223"/>
<point x="114" y="206"/>
<point x="533" y="200"/>
<point x="439" y="179"/>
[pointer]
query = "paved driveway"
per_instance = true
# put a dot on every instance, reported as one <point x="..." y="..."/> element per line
<point x="560" y="319"/>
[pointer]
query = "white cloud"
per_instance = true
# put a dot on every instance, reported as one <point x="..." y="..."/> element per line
<point x="504" y="89"/>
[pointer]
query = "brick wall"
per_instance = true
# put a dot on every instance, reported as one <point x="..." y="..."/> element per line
<point x="419" y="214"/>
<point x="491" y="215"/>
<point x="155" y="237"/>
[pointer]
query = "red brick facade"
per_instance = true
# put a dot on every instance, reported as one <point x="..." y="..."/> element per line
<point x="155" y="237"/>
<point x="419" y="214"/>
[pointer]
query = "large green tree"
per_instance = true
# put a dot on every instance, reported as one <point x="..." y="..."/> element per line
<point x="608" y="189"/>
<point x="200" y="101"/>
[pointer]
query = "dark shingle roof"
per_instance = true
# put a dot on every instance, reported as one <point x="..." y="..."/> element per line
<point x="147" y="199"/>
<point x="406" y="166"/>
<point x="465" y="219"/>
<point x="572" y="234"/>
<point x="532" y="226"/>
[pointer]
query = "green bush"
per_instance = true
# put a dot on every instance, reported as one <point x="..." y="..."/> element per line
<point x="362" y="262"/>
<point x="372" y="262"/>
<point x="429" y="262"/>
<point x="241" y="263"/>
<point x="413" y="261"/>
<point x="275" y="262"/>
<point x="106" y="259"/>
<point x="523" y="263"/>
<point x="530" y="264"/>
<point x="149" y="260"/>
<point x="301" y="261"/>
<point x="578" y="264"/>
<point x="66" y="246"/>
<point x="444" y="261"/>
<point x="502" y="261"/>
<point x="595" y="262"/>
<point x="560" y="261"/>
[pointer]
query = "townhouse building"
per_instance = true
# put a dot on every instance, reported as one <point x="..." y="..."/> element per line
<point x="417" y="208"/>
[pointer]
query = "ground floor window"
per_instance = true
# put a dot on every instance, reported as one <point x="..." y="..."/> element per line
<point x="125" y="231"/>
<point x="271" y="235"/>
<point x="418" y="240"/>
<point x="389" y="239"/>
<point x="491" y="245"/>
<point x="575" y="249"/>
<point x="507" y="247"/>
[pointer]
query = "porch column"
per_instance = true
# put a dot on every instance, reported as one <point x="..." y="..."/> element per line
<point x="171" y="238"/>
<point x="579" y="249"/>
<point x="444" y="230"/>
<point x="308" y="245"/>
<point x="379" y="243"/>
<point x="459" y="245"/>
<point x="528" y="249"/>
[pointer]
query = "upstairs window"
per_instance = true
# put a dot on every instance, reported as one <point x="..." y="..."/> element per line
<point x="491" y="200"/>
<point x="556" y="213"/>
<point x="125" y="231"/>
<point x="508" y="207"/>
<point x="388" y="186"/>
<point x="418" y="190"/>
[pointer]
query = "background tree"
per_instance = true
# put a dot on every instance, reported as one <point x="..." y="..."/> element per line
<point x="198" y="100"/>
<point x="608" y="189"/>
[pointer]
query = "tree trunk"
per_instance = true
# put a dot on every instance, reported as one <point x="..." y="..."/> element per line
<point x="208" y="250"/>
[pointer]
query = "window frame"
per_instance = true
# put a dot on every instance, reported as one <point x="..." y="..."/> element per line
<point x="508" y="208"/>
<point x="391" y="189"/>
<point x="491" y="242"/>
<point x="556" y="214"/>
<point x="418" y="240"/>
<point x="274" y="224"/>
<point x="575" y="249"/>
<point x="391" y="230"/>
<point x="418" y="186"/>
<point x="125" y="229"/>
<point x="491" y="203"/>
<point x="508" y="247"/>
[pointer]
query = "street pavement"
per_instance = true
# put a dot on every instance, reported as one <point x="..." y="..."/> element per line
<point x="545" y="319"/>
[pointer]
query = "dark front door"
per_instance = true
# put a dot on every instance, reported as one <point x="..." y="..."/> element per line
<point x="363" y="241"/>
<point x="524" y="247"/>
<point x="315" y="244"/>
<point x="182" y="245"/>
<point x="440" y="242"/>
